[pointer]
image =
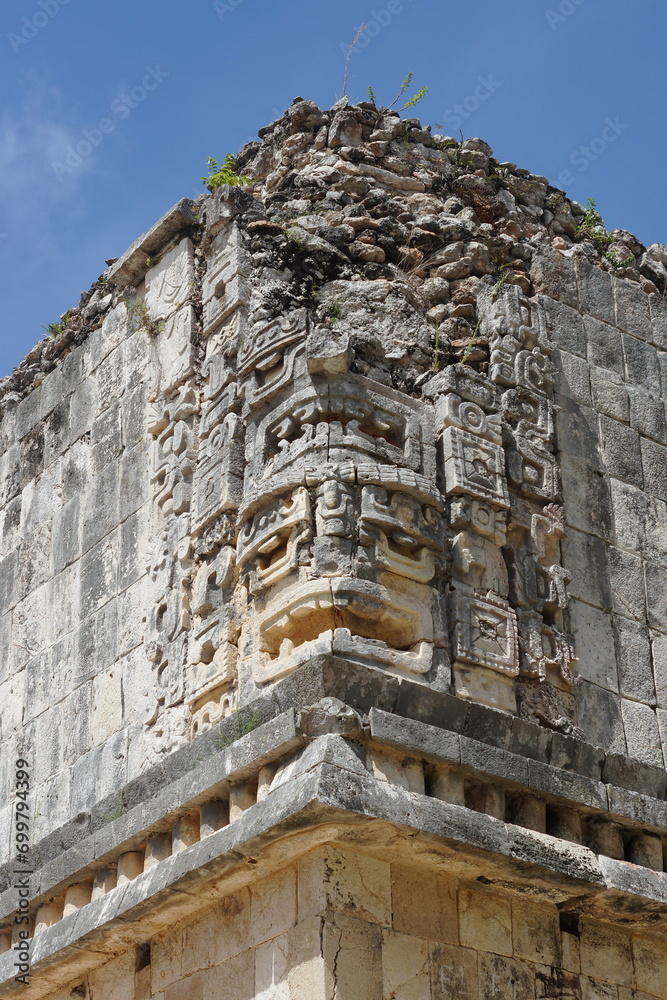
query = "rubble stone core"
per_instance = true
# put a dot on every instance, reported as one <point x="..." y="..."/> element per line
<point x="333" y="567"/>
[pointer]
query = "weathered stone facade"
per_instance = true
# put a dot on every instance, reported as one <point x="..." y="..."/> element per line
<point x="333" y="566"/>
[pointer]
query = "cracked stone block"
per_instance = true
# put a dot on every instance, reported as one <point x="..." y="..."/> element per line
<point x="345" y="882"/>
<point x="606" y="953"/>
<point x="405" y="967"/>
<point x="485" y="917"/>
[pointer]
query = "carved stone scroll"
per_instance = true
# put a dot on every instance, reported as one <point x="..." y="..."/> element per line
<point x="269" y="543"/>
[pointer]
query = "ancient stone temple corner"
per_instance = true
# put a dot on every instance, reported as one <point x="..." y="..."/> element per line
<point x="333" y="593"/>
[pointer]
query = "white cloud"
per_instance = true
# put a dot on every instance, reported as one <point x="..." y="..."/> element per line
<point x="33" y="134"/>
<point x="32" y="137"/>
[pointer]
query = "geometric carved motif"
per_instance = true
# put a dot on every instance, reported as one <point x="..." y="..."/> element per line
<point x="336" y="421"/>
<point x="268" y="356"/>
<point x="493" y="440"/>
<point x="545" y="646"/>
<point x="475" y="467"/>
<point x="485" y="632"/>
<point x="219" y="473"/>
<point x="479" y="564"/>
<point x="173" y="452"/>
<point x="267" y="342"/>
<point x="225" y="286"/>
<point x="480" y="517"/>
<point x="270" y="541"/>
<point x="532" y="466"/>
<point x="337" y="565"/>
<point x="474" y="461"/>
<point x="212" y="651"/>
<point x="515" y="328"/>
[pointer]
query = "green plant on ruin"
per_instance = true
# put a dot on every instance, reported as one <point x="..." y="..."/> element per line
<point x="555" y="201"/>
<point x="591" y="219"/>
<point x="333" y="312"/>
<point x="140" y="314"/>
<point x="242" y="722"/>
<point x="224" y="174"/>
<point x="410" y="102"/>
<point x="416" y="97"/>
<point x="456" y="147"/>
<point x="116" y="812"/>
<point x="443" y="141"/>
<point x="591" y="227"/>
<point x="292" y="237"/>
<point x="471" y="342"/>
<point x="55" y="329"/>
<point x="616" y="261"/>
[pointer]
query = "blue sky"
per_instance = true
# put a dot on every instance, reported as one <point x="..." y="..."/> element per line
<point x="573" y="89"/>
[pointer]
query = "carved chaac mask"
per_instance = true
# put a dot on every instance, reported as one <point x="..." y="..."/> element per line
<point x="329" y="514"/>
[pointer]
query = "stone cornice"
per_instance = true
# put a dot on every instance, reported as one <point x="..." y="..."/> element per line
<point x="331" y="798"/>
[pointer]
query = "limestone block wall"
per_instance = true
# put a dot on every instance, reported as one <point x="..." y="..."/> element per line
<point x="343" y="924"/>
<point x="610" y="392"/>
<point x="389" y="406"/>
<point x="77" y="506"/>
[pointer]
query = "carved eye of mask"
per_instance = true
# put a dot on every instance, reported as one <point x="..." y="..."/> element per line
<point x="270" y="361"/>
<point x="402" y="539"/>
<point x="471" y="416"/>
<point x="482" y="516"/>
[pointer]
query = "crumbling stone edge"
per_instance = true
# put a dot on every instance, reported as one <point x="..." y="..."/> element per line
<point x="474" y="176"/>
